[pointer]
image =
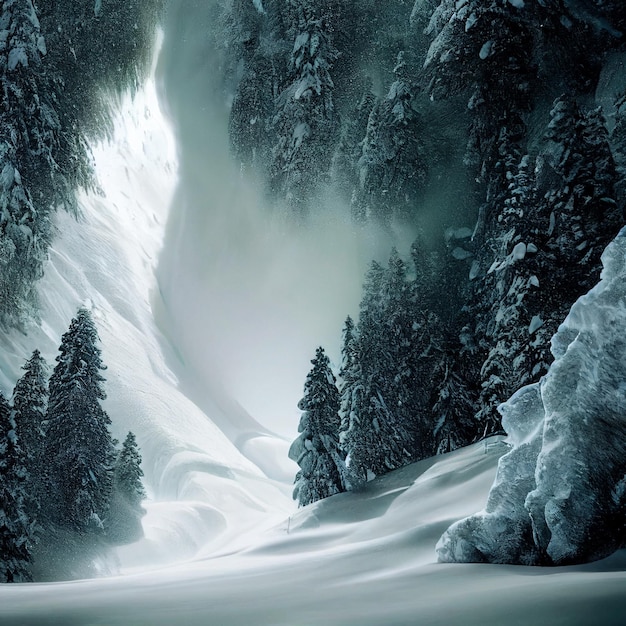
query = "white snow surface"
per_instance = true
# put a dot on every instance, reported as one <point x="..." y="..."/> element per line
<point x="363" y="559"/>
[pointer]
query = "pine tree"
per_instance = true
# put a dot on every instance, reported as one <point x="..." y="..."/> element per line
<point x="482" y="50"/>
<point x="255" y="50"/>
<point x="30" y="399"/>
<point x="79" y="448"/>
<point x="345" y="161"/>
<point x="30" y="180"/>
<point x="378" y="439"/>
<point x="453" y="409"/>
<point x="305" y="123"/>
<point x="348" y="373"/>
<point x="392" y="166"/>
<point x="15" y="528"/>
<point x="317" y="450"/>
<point x="124" y="525"/>
<point x="543" y="241"/>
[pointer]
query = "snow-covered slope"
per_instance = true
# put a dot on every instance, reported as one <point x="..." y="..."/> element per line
<point x="360" y="559"/>
<point x="201" y="487"/>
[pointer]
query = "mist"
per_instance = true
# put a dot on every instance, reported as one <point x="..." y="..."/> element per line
<point x="250" y="291"/>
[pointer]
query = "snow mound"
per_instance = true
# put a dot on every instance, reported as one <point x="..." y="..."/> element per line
<point x="560" y="494"/>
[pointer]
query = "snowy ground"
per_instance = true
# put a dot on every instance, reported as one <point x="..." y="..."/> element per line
<point x="355" y="559"/>
<point x="224" y="542"/>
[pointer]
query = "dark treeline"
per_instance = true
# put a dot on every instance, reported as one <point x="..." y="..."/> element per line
<point x="68" y="490"/>
<point x="492" y="109"/>
<point x="60" y="64"/>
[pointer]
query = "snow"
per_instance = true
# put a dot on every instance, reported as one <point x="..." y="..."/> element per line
<point x="17" y="56"/>
<point x="536" y="322"/>
<point x="557" y="496"/>
<point x="224" y="543"/>
<point x="363" y="559"/>
<point x="486" y="50"/>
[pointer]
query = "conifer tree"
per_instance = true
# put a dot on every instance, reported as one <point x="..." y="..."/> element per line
<point x="15" y="528"/>
<point x="30" y="399"/>
<point x="345" y="167"/>
<point x="392" y="168"/>
<point x="543" y="242"/>
<point x="79" y="448"/>
<point x="377" y="439"/>
<point x="124" y="525"/>
<point x="30" y="180"/>
<point x="317" y="450"/>
<point x="348" y="375"/>
<point x="306" y="121"/>
<point x="255" y="51"/>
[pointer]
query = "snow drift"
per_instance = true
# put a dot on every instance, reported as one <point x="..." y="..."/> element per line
<point x="560" y="494"/>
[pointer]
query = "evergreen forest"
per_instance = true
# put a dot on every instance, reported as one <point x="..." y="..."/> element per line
<point x="69" y="490"/>
<point x="493" y="132"/>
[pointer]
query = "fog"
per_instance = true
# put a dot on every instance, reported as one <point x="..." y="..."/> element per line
<point x="250" y="291"/>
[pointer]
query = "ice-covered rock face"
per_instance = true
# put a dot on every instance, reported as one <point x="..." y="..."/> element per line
<point x="560" y="494"/>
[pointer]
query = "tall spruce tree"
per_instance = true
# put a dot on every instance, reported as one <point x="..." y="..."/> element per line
<point x="378" y="439"/>
<point x="31" y="182"/>
<point x="256" y="53"/>
<point x="317" y="450"/>
<point x="30" y="401"/>
<point x="392" y="167"/>
<point x="15" y="528"/>
<point x="79" y="448"/>
<point x="305" y="122"/>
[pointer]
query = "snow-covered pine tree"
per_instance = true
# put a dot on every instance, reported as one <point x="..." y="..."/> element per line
<point x="446" y="404"/>
<point x="345" y="169"/>
<point x="15" y="528"/>
<point x="542" y="250"/>
<point x="349" y="378"/>
<point x="576" y="217"/>
<point x="412" y="334"/>
<point x="79" y="448"/>
<point x="453" y="409"/>
<point x="124" y="523"/>
<point x="30" y="401"/>
<point x="317" y="450"/>
<point x="483" y="51"/>
<point x="30" y="181"/>
<point x="392" y="167"/>
<point x="511" y="277"/>
<point x="378" y="439"/>
<point x="305" y="122"/>
<point x="256" y="52"/>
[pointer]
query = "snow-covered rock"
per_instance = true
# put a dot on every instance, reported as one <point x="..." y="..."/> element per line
<point x="559" y="495"/>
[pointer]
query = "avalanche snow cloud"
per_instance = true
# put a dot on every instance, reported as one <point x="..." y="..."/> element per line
<point x="247" y="294"/>
<point x="560" y="494"/>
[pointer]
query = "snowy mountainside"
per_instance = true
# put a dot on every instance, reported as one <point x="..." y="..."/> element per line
<point x="364" y="558"/>
<point x="198" y="482"/>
